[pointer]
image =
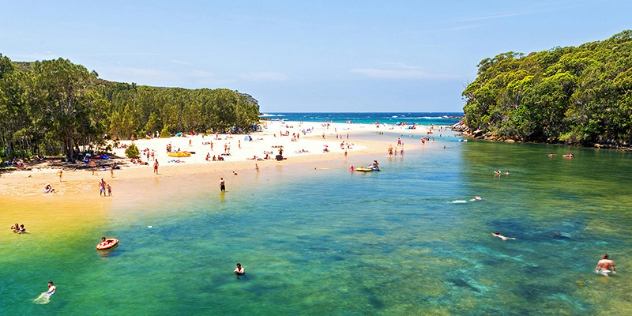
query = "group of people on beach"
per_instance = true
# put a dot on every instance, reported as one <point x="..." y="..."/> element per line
<point x="48" y="188"/>
<point x="215" y="158"/>
<point x="19" y="229"/>
<point x="104" y="188"/>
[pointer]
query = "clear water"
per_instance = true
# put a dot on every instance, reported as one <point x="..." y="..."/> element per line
<point x="404" y="241"/>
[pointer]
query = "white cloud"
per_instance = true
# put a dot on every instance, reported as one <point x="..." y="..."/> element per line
<point x="403" y="66"/>
<point x="179" y="62"/>
<point x="401" y="74"/>
<point x="262" y="76"/>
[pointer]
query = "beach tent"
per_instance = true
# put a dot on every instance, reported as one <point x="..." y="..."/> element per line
<point x="248" y="138"/>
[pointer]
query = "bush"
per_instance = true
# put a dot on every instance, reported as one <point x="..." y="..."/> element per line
<point x="132" y="151"/>
<point x="165" y="133"/>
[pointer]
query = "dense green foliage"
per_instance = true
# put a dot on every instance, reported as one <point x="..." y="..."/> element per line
<point x="56" y="107"/>
<point x="577" y="95"/>
<point x="132" y="151"/>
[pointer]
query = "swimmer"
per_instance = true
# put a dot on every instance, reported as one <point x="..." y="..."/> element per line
<point x="51" y="289"/>
<point x="44" y="298"/>
<point x="239" y="270"/>
<point x="605" y="266"/>
<point x="507" y="173"/>
<point x="502" y="237"/>
<point x="476" y="198"/>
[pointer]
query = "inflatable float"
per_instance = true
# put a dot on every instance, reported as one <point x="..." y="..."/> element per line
<point x="180" y="154"/>
<point x="111" y="243"/>
<point x="362" y="169"/>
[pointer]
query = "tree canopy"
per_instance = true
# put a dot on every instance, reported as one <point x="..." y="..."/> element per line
<point x="55" y="107"/>
<point x="577" y="95"/>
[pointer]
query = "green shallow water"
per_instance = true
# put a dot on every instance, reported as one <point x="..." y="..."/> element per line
<point x="404" y="241"/>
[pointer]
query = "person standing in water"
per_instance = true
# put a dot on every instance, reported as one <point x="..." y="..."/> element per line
<point x="605" y="266"/>
<point x="239" y="270"/>
<point x="156" y="166"/>
<point x="222" y="185"/>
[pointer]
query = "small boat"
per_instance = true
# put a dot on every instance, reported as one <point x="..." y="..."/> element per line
<point x="180" y="154"/>
<point x="111" y="243"/>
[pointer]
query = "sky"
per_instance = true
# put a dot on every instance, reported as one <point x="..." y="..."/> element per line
<point x="304" y="56"/>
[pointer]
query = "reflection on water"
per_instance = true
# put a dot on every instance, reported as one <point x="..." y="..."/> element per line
<point x="404" y="241"/>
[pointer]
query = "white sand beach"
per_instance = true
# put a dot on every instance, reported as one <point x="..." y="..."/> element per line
<point x="308" y="144"/>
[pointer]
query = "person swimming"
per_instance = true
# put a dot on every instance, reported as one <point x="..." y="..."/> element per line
<point x="502" y="237"/>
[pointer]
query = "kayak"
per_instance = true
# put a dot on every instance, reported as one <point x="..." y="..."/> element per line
<point x="113" y="242"/>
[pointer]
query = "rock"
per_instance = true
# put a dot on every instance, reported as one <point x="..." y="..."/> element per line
<point x="509" y="141"/>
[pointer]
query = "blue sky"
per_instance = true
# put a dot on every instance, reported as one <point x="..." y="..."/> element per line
<point x="301" y="56"/>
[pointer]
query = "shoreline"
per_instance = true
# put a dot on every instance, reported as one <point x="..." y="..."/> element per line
<point x="80" y="182"/>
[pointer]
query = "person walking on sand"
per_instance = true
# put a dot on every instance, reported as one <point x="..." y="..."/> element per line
<point x="605" y="266"/>
<point x="156" y="166"/>
<point x="112" y="170"/>
<point x="109" y="189"/>
<point x="257" y="167"/>
<point x="59" y="173"/>
<point x="222" y="185"/>
<point x="93" y="166"/>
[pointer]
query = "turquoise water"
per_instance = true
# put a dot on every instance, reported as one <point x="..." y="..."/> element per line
<point x="404" y="241"/>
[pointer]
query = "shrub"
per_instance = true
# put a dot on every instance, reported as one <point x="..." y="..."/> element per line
<point x="132" y="151"/>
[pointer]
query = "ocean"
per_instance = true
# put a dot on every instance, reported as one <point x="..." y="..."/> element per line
<point x="407" y="240"/>
<point x="421" y="118"/>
